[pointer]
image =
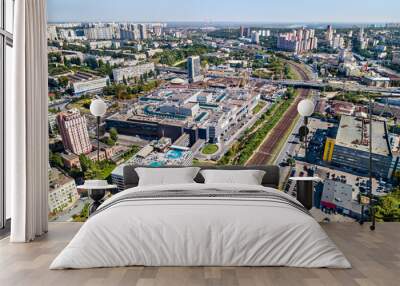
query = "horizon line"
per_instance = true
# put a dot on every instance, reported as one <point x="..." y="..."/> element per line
<point x="228" y="21"/>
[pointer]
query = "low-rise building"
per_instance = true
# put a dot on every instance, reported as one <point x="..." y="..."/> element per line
<point x="340" y="197"/>
<point x="71" y="161"/>
<point x="62" y="191"/>
<point x="86" y="83"/>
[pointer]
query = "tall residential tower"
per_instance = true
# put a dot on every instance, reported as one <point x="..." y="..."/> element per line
<point x="74" y="133"/>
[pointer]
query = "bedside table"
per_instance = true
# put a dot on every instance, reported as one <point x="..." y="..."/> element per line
<point x="96" y="191"/>
<point x="305" y="190"/>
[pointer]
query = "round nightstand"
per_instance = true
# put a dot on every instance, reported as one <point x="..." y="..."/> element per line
<point x="96" y="190"/>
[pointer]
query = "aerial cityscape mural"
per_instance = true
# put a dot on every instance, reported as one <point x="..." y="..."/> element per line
<point x="199" y="93"/>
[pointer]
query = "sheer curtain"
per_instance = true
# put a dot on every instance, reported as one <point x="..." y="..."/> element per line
<point x="26" y="124"/>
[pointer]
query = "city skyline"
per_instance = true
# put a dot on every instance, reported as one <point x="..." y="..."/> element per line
<point x="308" y="11"/>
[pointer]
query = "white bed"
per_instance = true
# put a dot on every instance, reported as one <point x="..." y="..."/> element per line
<point x="246" y="225"/>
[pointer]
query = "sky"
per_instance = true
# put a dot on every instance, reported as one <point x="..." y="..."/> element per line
<point x="269" y="11"/>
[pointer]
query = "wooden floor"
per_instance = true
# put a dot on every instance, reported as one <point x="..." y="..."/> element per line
<point x="375" y="257"/>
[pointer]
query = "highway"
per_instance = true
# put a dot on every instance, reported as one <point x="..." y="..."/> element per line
<point x="334" y="85"/>
<point x="317" y="84"/>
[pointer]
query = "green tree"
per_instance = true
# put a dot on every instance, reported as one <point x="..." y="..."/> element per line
<point x="110" y="142"/>
<point x="91" y="62"/>
<point x="63" y="81"/>
<point x="86" y="163"/>
<point x="56" y="160"/>
<point x="76" y="61"/>
<point x="114" y="134"/>
<point x="388" y="207"/>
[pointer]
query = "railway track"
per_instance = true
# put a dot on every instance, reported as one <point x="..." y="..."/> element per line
<point x="265" y="152"/>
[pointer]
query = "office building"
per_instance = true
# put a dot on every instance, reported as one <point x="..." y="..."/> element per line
<point x="194" y="69"/>
<point x="351" y="150"/>
<point x="74" y="133"/>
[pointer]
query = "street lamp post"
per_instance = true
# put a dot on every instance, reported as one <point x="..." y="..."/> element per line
<point x="305" y="109"/>
<point x="98" y="108"/>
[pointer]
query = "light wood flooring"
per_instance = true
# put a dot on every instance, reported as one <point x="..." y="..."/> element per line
<point x="375" y="257"/>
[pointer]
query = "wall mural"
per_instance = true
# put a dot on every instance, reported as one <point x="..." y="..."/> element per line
<point x="224" y="93"/>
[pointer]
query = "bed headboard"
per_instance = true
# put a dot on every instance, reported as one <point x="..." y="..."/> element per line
<point x="271" y="178"/>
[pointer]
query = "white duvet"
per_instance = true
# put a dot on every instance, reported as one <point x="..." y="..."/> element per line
<point x="200" y="232"/>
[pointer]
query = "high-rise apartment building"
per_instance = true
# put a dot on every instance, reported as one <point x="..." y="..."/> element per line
<point x="329" y="34"/>
<point x="74" y="133"/>
<point x="298" y="41"/>
<point x="247" y="32"/>
<point x="194" y="69"/>
<point x="361" y="34"/>
<point x="338" y="42"/>
<point x="129" y="32"/>
<point x="241" y="31"/>
<point x="99" y="33"/>
<point x="143" y="31"/>
<point x="255" y="37"/>
<point x="157" y="30"/>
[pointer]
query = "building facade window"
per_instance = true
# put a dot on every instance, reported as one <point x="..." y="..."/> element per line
<point x="6" y="44"/>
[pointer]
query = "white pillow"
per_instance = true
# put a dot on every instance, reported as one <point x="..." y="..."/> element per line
<point x="245" y="177"/>
<point x="166" y="176"/>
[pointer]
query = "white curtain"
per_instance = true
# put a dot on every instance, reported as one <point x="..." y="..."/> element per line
<point x="26" y="124"/>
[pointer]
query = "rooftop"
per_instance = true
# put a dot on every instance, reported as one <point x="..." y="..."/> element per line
<point x="58" y="179"/>
<point x="354" y="133"/>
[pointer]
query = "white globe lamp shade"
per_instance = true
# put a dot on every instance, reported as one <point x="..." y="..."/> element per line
<point x="306" y="107"/>
<point x="98" y="107"/>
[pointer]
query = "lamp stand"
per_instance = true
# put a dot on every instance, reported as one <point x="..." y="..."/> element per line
<point x="305" y="137"/>
<point x="98" y="138"/>
<point x="303" y="132"/>
<point x="371" y="199"/>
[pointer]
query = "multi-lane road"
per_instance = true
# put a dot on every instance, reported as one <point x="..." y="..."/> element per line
<point x="335" y="85"/>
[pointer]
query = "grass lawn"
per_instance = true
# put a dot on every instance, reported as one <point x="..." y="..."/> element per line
<point x="210" y="149"/>
<point x="258" y="107"/>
